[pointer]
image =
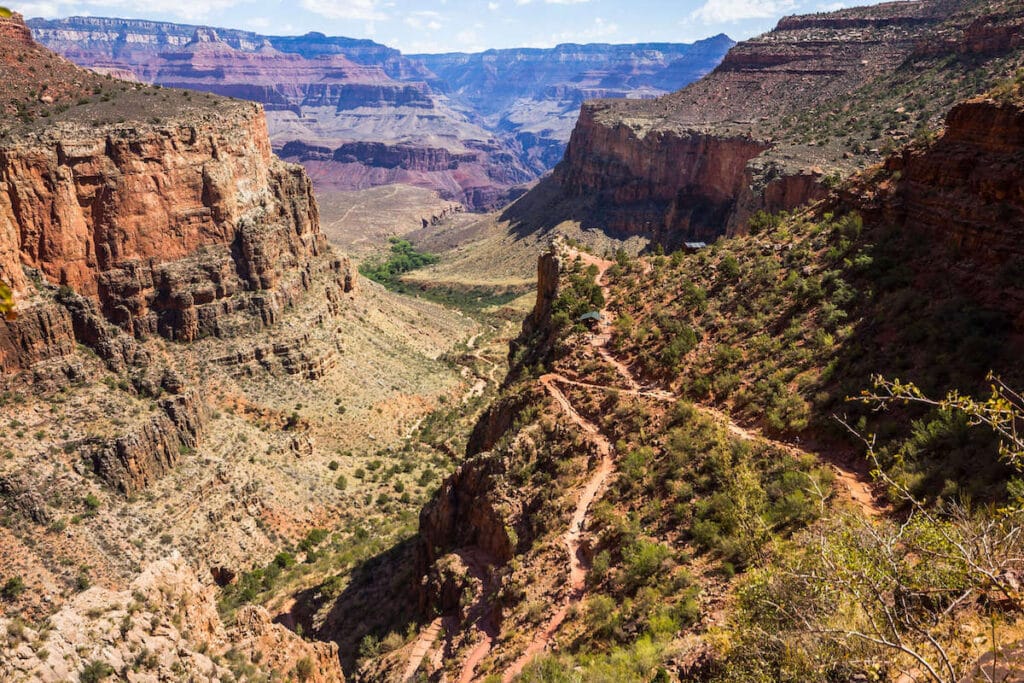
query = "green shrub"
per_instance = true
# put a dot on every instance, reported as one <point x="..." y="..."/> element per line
<point x="13" y="587"/>
<point x="96" y="671"/>
<point x="284" y="560"/>
<point x="729" y="267"/>
<point x="304" y="669"/>
<point x="644" y="560"/>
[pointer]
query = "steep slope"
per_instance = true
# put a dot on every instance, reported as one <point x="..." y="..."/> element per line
<point x="649" y="496"/>
<point x="781" y="119"/>
<point x="189" y="383"/>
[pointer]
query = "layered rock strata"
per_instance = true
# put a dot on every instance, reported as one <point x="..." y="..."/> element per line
<point x="182" y="230"/>
<point x="782" y="117"/>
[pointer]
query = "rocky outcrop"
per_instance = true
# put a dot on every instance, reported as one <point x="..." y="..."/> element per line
<point x="779" y="117"/>
<point x="137" y="39"/>
<point x="965" y="190"/>
<point x="19" y="496"/>
<point x="276" y="79"/>
<point x="134" y="460"/>
<point x="282" y="651"/>
<point x="466" y="512"/>
<point x="39" y="332"/>
<point x="534" y="94"/>
<point x="165" y="626"/>
<point x="657" y="183"/>
<point x="406" y="157"/>
<point x="184" y="230"/>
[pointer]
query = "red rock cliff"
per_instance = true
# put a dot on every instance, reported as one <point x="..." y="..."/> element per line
<point x="161" y="224"/>
<point x="819" y="95"/>
<point x="184" y="226"/>
<point x="967" y="190"/>
<point x="656" y="182"/>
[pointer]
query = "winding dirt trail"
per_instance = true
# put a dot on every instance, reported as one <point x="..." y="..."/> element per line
<point x="857" y="488"/>
<point x="585" y="497"/>
<point x="578" y="562"/>
<point x="421" y="647"/>
<point x="481" y="614"/>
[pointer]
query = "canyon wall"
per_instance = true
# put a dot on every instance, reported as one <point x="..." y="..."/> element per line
<point x="172" y="229"/>
<point x="181" y="226"/>
<point x="656" y="183"/>
<point x="782" y="118"/>
<point x="966" y="190"/>
<point x="512" y="111"/>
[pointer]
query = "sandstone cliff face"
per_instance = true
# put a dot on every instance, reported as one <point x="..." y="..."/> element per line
<point x="406" y="157"/>
<point x="658" y="183"/>
<point x="966" y="190"/>
<point x="821" y="94"/>
<point x="134" y="460"/>
<point x="183" y="230"/>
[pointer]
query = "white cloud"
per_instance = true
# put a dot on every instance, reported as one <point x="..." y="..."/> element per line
<point x="553" y="2"/>
<point x="424" y="21"/>
<point x="258" y="23"/>
<point x="186" y="9"/>
<point x="493" y="6"/>
<point x="347" y="9"/>
<point x="47" y="10"/>
<point x="599" y="30"/>
<point x="719" y="11"/>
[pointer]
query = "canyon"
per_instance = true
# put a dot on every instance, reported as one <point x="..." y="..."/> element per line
<point x="474" y="128"/>
<point x="781" y="119"/>
<point x="190" y="378"/>
<point x="623" y="428"/>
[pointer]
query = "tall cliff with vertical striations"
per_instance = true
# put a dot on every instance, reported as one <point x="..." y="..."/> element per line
<point x="182" y="226"/>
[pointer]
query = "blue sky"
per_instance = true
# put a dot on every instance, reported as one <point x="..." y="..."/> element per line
<point x="461" y="25"/>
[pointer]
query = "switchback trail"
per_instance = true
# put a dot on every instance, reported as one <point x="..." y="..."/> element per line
<point x="859" y="491"/>
<point x="480" y="613"/>
<point x="578" y="563"/>
<point x="421" y="647"/>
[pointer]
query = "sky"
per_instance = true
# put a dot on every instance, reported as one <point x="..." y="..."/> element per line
<point x="461" y="25"/>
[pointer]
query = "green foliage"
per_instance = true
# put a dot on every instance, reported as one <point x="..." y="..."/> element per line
<point x="313" y="539"/>
<point x="403" y="258"/>
<point x="284" y="560"/>
<point x="578" y="294"/>
<point x="96" y="671"/>
<point x="13" y="587"/>
<point x="304" y="669"/>
<point x="644" y="561"/>
<point x="762" y="221"/>
<point x="729" y="267"/>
